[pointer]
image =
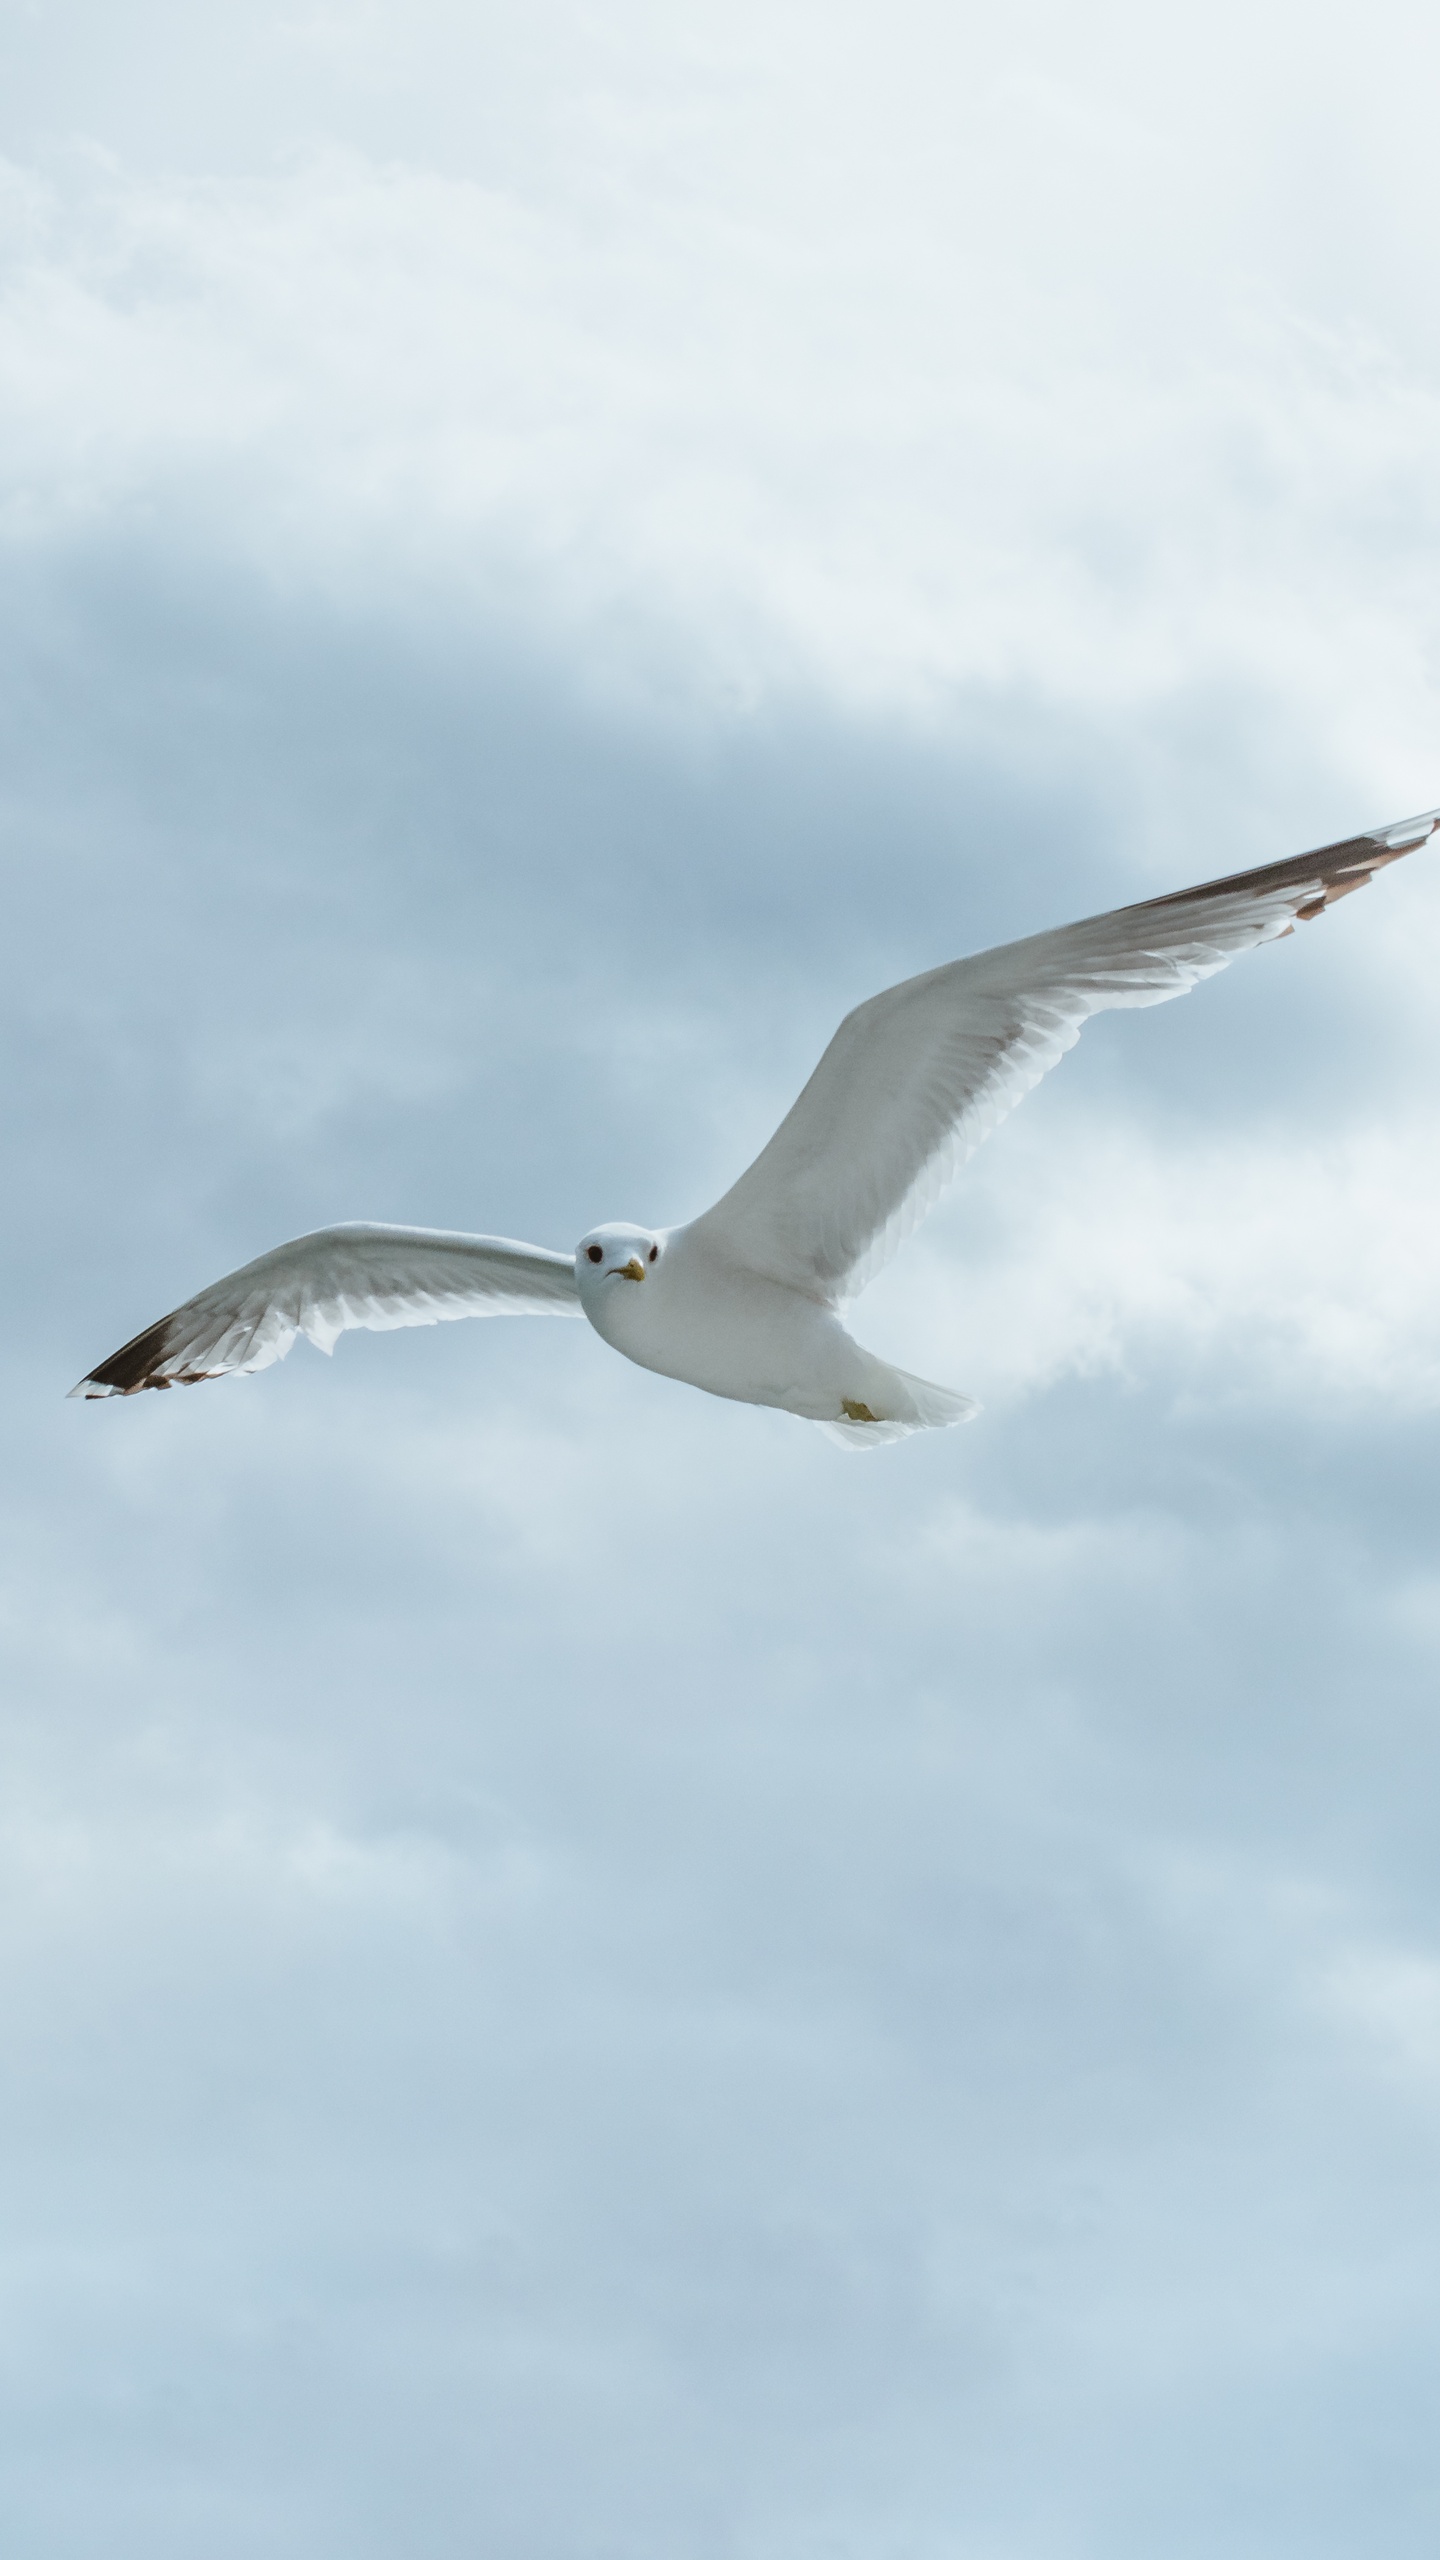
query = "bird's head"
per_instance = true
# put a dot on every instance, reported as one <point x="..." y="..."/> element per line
<point x="613" y="1255"/>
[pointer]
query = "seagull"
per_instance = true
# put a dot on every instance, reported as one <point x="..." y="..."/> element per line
<point x="746" y="1301"/>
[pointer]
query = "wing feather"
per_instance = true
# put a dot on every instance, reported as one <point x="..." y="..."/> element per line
<point x="918" y="1076"/>
<point x="322" y="1285"/>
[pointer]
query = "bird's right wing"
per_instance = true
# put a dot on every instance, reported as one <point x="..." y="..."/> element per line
<point x="917" y="1077"/>
<point x="322" y="1285"/>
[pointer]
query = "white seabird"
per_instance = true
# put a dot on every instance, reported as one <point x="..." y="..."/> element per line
<point x="746" y="1300"/>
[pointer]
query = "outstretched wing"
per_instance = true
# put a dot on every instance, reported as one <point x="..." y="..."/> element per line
<point x="915" y="1078"/>
<point x="322" y="1285"/>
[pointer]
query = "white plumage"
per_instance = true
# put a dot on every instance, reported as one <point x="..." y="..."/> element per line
<point x="745" y="1301"/>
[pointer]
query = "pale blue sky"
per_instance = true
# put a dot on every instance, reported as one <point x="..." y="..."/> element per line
<point x="582" y="1977"/>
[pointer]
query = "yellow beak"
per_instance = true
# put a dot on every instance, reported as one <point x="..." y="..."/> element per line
<point x="634" y="1269"/>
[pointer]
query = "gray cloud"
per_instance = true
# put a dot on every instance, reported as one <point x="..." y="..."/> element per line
<point x="579" y="1970"/>
<point x="580" y="1976"/>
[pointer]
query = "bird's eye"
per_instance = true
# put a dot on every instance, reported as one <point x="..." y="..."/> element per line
<point x="654" y="1253"/>
<point x="595" y="1252"/>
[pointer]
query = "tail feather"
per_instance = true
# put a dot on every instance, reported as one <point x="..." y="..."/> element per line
<point x="895" y="1405"/>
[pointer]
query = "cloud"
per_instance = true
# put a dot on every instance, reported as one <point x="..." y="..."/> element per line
<point x="579" y="1976"/>
<point x="663" y="361"/>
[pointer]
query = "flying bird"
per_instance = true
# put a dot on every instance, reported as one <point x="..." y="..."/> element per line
<point x="746" y="1301"/>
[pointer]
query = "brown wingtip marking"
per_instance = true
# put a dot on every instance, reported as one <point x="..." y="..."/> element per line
<point x="1341" y="888"/>
<point x="1339" y="868"/>
<point x="136" y="1363"/>
<point x="1396" y="852"/>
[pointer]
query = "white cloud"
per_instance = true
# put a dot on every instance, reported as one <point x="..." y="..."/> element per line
<point x="1390" y="1998"/>
<point x="1287" y="1268"/>
<point x="967" y="355"/>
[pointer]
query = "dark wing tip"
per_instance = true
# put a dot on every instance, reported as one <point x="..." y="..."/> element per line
<point x="1333" y="869"/>
<point x="137" y="1364"/>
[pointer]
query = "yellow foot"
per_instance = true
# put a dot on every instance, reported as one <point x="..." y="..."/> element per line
<point x="857" y="1412"/>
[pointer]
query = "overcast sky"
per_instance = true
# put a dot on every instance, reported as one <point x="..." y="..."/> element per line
<point x="585" y="1977"/>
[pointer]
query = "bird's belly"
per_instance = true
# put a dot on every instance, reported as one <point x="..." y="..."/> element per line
<point x="752" y="1341"/>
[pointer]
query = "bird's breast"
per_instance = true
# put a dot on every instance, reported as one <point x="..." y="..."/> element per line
<point x="716" y="1326"/>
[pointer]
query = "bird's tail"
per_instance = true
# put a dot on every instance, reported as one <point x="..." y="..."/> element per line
<point x="893" y="1405"/>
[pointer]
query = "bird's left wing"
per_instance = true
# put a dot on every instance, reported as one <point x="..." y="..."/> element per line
<point x="322" y="1285"/>
<point x="917" y="1077"/>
